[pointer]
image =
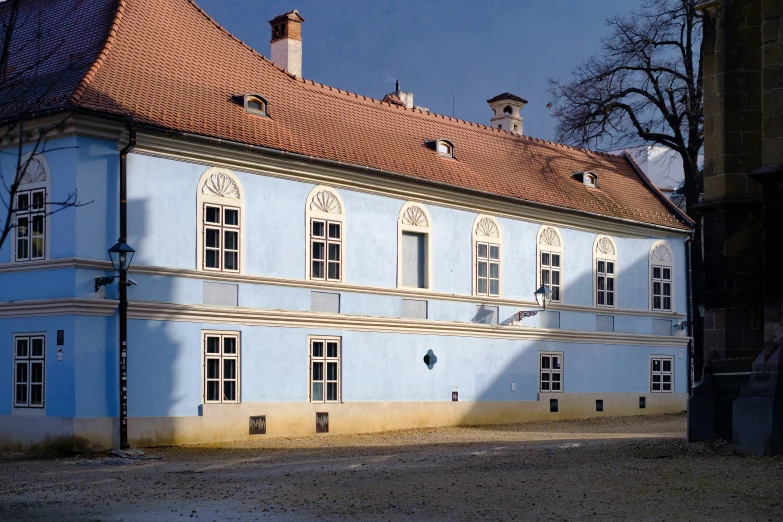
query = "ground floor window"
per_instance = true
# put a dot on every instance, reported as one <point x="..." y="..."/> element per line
<point x="661" y="374"/>
<point x="29" y="369"/>
<point x="221" y="367"/>
<point x="551" y="372"/>
<point x="324" y="369"/>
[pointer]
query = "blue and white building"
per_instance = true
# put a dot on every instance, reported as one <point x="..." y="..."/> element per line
<point x="301" y="251"/>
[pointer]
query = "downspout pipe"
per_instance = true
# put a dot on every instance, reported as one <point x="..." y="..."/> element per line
<point x="124" y="289"/>
<point x="689" y="312"/>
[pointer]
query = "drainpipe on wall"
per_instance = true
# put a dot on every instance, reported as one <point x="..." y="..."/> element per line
<point x="124" y="289"/>
<point x="689" y="290"/>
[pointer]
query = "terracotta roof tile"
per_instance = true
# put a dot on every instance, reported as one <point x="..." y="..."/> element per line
<point x="166" y="63"/>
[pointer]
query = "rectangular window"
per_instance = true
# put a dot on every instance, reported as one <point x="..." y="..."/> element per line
<point x="221" y="367"/>
<point x="487" y="269"/>
<point x="661" y="374"/>
<point x="29" y="370"/>
<point x="662" y="288"/>
<point x="221" y="238"/>
<point x="604" y="283"/>
<point x="324" y="370"/>
<point x="326" y="250"/>
<point x="550" y="273"/>
<point x="414" y="260"/>
<point x="551" y="372"/>
<point x="30" y="224"/>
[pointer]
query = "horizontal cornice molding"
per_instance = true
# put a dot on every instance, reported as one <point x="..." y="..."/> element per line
<point x="47" y="307"/>
<point x="327" y="321"/>
<point x="322" y="286"/>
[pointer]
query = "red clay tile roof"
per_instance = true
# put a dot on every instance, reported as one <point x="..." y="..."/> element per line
<point x="167" y="64"/>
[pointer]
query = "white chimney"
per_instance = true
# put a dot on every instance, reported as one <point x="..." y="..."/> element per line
<point x="287" y="42"/>
<point x="507" y="109"/>
<point x="402" y="98"/>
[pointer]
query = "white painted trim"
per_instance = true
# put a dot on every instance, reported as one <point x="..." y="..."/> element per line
<point x="562" y="374"/>
<point x="413" y="293"/>
<point x="333" y="215"/>
<point x="480" y="236"/>
<point x="238" y="335"/>
<point x="46" y="184"/>
<point x="649" y="374"/>
<point x="319" y="320"/>
<point x="552" y="248"/>
<point x="239" y="203"/>
<point x="607" y="256"/>
<point x="422" y="228"/>
<point x="661" y="262"/>
<point x="28" y="411"/>
<point x="326" y="339"/>
<point x="49" y="307"/>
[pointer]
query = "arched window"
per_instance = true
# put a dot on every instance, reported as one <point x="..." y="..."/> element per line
<point x="486" y="256"/>
<point x="605" y="266"/>
<point x="549" y="244"/>
<point x="221" y="219"/>
<point x="255" y="104"/>
<point x="31" y="225"/>
<point x="661" y="277"/>
<point x="414" y="226"/>
<point x="325" y="215"/>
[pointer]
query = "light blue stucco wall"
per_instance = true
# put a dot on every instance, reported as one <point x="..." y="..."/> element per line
<point x="165" y="367"/>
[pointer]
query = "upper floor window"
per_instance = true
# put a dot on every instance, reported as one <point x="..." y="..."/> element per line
<point x="221" y="219"/>
<point x="325" y="239"/>
<point x="661" y="277"/>
<point x="414" y="226"/>
<point x="30" y="210"/>
<point x="486" y="256"/>
<point x="550" y="261"/>
<point x="605" y="266"/>
<point x="255" y="104"/>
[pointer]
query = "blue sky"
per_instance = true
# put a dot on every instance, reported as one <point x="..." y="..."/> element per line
<point x="473" y="48"/>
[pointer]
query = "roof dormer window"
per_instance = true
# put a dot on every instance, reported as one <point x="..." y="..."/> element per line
<point x="445" y="148"/>
<point x="255" y="104"/>
<point x="589" y="179"/>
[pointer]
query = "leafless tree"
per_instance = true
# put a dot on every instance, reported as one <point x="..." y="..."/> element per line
<point x="646" y="87"/>
<point x="29" y="74"/>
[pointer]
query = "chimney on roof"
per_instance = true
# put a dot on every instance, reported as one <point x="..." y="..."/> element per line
<point x="287" y="42"/>
<point x="507" y="107"/>
<point x="402" y="98"/>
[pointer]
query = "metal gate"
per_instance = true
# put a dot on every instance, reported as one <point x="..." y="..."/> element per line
<point x="729" y="377"/>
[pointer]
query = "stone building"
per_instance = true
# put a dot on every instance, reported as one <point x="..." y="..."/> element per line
<point x="743" y="127"/>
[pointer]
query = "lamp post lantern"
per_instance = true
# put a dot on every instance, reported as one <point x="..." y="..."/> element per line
<point x="543" y="296"/>
<point x="121" y="255"/>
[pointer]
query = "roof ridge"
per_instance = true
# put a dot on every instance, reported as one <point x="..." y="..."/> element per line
<point x="93" y="70"/>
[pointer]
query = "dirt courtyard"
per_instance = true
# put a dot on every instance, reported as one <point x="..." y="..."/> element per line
<point x="634" y="468"/>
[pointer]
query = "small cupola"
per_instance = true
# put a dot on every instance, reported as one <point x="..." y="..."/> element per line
<point x="507" y="109"/>
<point x="588" y="178"/>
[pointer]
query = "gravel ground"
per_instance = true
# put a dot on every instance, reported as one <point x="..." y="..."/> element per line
<point x="632" y="468"/>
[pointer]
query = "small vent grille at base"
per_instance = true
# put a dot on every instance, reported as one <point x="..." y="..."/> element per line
<point x="553" y="405"/>
<point x="258" y="425"/>
<point x="322" y="422"/>
<point x="642" y="402"/>
<point x="599" y="405"/>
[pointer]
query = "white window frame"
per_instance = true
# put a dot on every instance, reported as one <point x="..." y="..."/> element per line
<point x="29" y="360"/>
<point x="661" y="373"/>
<point x="662" y="258"/>
<point x="219" y="187"/>
<point x="221" y="357"/>
<point x="604" y="252"/>
<point x="414" y="217"/>
<point x="223" y="229"/>
<point x="322" y="358"/>
<point x="547" y="374"/>
<point x="487" y="233"/>
<point x="37" y="179"/>
<point x="445" y="148"/>
<point x="324" y="204"/>
<point x="549" y="240"/>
